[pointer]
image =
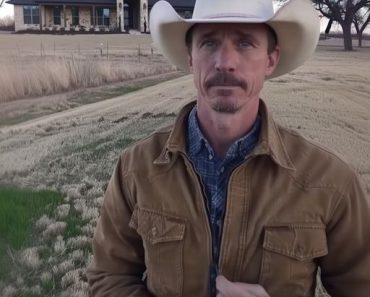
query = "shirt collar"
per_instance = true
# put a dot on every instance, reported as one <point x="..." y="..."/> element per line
<point x="196" y="140"/>
<point x="269" y="143"/>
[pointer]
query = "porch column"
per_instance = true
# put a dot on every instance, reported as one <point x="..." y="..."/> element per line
<point x="93" y="16"/>
<point x="40" y="16"/>
<point x="120" y="15"/>
<point x="143" y="16"/>
<point x="65" y="16"/>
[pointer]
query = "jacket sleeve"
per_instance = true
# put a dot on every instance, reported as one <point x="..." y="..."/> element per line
<point x="118" y="256"/>
<point x="345" y="271"/>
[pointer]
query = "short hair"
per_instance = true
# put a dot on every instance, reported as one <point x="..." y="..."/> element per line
<point x="271" y="39"/>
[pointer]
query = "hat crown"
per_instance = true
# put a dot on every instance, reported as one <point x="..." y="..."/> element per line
<point x="260" y="9"/>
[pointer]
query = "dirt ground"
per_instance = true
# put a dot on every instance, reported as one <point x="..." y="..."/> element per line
<point x="74" y="151"/>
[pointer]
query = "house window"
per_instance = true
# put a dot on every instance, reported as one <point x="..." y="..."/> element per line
<point x="57" y="15"/>
<point x="31" y="15"/>
<point x="103" y="16"/>
<point x="126" y="15"/>
<point x="75" y="16"/>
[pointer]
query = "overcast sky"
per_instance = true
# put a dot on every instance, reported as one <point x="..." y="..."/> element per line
<point x="6" y="9"/>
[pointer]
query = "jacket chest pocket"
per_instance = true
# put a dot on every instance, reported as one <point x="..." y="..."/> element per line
<point x="162" y="236"/>
<point x="288" y="262"/>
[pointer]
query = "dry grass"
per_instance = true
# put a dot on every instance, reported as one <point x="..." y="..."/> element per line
<point x="32" y="65"/>
<point x="22" y="78"/>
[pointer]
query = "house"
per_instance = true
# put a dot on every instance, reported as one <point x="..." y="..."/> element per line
<point x="89" y="15"/>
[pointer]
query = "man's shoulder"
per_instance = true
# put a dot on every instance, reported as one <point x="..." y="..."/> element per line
<point x="315" y="164"/>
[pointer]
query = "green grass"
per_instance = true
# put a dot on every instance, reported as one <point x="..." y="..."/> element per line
<point x="18" y="211"/>
<point x="74" y="224"/>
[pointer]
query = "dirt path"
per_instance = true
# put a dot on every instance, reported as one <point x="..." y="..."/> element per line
<point x="134" y="102"/>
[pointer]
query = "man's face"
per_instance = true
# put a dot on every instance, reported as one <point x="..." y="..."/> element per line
<point x="229" y="63"/>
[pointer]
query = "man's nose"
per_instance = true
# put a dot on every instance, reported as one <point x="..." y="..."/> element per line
<point x="226" y="58"/>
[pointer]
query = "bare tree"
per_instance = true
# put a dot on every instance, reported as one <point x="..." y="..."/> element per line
<point x="342" y="12"/>
<point x="361" y="20"/>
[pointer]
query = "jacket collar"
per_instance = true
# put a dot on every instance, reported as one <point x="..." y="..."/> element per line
<point x="270" y="142"/>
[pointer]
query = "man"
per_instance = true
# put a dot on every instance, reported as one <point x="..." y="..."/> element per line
<point x="226" y="202"/>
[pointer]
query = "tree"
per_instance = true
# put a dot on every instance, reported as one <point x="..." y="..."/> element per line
<point x="342" y="12"/>
<point x="361" y="20"/>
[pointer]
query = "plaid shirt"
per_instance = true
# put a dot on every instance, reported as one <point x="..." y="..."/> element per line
<point x="214" y="174"/>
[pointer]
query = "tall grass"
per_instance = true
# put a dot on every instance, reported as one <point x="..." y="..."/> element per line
<point x="37" y="76"/>
<point x="18" y="209"/>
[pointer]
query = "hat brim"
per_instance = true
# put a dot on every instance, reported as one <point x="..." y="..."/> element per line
<point x="296" y="24"/>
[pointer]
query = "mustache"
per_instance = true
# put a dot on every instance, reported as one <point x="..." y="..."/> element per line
<point x="225" y="79"/>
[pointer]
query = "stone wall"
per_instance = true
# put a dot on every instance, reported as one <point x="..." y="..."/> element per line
<point x="19" y="20"/>
<point x="48" y="17"/>
<point x="85" y="17"/>
<point x="113" y="19"/>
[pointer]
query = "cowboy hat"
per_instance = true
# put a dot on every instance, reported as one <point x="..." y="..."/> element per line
<point x="296" y="25"/>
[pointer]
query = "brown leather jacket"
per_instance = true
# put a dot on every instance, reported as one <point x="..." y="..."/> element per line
<point x="291" y="206"/>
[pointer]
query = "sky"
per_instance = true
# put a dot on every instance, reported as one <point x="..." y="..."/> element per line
<point x="6" y="9"/>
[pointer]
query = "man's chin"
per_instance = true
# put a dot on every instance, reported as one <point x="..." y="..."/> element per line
<point x="225" y="107"/>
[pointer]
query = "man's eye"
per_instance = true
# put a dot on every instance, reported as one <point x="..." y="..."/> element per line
<point x="245" y="43"/>
<point x="208" y="43"/>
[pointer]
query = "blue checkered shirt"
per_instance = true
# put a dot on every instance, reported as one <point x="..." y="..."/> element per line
<point x="214" y="173"/>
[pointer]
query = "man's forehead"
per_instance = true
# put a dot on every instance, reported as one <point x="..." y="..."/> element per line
<point x="237" y="28"/>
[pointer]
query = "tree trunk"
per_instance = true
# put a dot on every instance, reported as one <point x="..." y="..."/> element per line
<point x="347" y="37"/>
<point x="359" y="34"/>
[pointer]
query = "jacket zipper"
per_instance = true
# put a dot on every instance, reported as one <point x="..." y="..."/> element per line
<point x="213" y="269"/>
<point x="244" y="163"/>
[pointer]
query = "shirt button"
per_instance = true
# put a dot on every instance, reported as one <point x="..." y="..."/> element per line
<point x="210" y="157"/>
<point x="154" y="231"/>
<point x="222" y="169"/>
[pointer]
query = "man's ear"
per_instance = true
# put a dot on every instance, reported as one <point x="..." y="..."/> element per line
<point x="273" y="60"/>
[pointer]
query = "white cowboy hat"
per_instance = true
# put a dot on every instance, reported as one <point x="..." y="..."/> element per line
<point x="296" y="25"/>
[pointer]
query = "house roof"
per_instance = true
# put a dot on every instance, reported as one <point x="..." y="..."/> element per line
<point x="55" y="2"/>
<point x="92" y="2"/>
<point x="176" y="3"/>
<point x="184" y="4"/>
<point x="22" y="2"/>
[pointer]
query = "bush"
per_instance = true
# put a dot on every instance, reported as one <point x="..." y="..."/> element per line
<point x="7" y="23"/>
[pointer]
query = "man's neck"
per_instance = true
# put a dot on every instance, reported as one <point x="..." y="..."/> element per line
<point x="222" y="130"/>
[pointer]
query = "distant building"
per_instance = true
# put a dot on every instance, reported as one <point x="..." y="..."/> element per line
<point x="89" y="15"/>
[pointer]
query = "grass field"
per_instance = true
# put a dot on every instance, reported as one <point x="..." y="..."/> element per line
<point x="74" y="152"/>
<point x="19" y="210"/>
<point x="32" y="66"/>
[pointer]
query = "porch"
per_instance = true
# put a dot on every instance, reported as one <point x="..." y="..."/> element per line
<point x="88" y="15"/>
<point x="78" y="18"/>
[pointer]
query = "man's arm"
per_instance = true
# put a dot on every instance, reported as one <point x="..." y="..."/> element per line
<point x="118" y="263"/>
<point x="345" y="271"/>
